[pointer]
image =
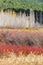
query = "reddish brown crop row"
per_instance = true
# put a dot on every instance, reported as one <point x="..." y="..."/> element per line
<point x="18" y="49"/>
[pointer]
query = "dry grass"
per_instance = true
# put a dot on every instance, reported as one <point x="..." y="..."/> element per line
<point x="22" y="30"/>
<point x="12" y="59"/>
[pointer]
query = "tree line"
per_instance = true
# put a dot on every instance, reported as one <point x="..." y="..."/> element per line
<point x="23" y="4"/>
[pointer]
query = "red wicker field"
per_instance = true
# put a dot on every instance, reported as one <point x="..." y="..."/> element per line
<point x="14" y="55"/>
<point x="21" y="47"/>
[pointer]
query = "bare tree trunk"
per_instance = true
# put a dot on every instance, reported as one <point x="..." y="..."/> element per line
<point x="40" y="17"/>
<point x="32" y="18"/>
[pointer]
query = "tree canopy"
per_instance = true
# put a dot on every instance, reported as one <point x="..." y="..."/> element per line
<point x="22" y="4"/>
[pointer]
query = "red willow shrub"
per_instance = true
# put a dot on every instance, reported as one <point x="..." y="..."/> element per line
<point x="19" y="49"/>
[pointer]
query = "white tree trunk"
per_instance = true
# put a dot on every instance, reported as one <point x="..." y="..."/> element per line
<point x="32" y="18"/>
<point x="7" y="19"/>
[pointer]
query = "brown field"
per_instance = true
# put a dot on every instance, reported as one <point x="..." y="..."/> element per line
<point x="22" y="37"/>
